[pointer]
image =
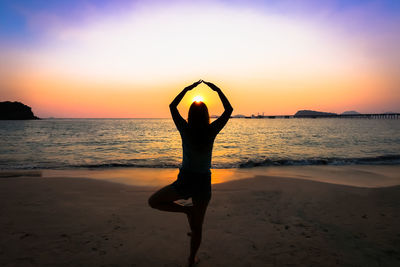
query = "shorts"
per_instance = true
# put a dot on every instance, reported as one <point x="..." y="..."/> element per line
<point x="194" y="185"/>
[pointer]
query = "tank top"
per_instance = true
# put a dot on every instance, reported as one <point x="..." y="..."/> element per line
<point x="196" y="155"/>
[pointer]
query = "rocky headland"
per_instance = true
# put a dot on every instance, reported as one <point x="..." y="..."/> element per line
<point x="16" y="111"/>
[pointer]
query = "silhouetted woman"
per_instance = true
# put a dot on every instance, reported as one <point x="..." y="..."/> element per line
<point x="194" y="178"/>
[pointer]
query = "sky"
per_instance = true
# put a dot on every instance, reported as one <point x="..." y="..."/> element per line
<point x="128" y="59"/>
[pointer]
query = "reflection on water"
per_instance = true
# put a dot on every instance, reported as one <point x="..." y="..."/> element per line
<point x="143" y="176"/>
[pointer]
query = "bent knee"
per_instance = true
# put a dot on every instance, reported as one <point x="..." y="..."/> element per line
<point x="152" y="202"/>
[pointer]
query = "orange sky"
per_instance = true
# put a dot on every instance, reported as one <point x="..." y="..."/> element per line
<point x="133" y="65"/>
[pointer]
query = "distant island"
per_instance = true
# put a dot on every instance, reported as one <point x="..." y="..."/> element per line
<point x="351" y="112"/>
<point x="312" y="114"/>
<point x="16" y="111"/>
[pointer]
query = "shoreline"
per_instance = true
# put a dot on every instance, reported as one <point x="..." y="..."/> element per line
<point x="353" y="175"/>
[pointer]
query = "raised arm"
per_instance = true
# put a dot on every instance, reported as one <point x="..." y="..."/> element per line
<point x="219" y="123"/>
<point x="173" y="107"/>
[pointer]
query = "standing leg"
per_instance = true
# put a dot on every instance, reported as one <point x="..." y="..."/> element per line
<point x="164" y="199"/>
<point x="197" y="217"/>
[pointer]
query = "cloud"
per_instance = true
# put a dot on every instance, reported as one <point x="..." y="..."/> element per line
<point x="169" y="41"/>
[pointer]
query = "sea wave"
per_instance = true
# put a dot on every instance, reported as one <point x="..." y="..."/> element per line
<point x="249" y="163"/>
<point x="379" y="160"/>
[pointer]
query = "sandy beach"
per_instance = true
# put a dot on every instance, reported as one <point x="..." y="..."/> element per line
<point x="269" y="217"/>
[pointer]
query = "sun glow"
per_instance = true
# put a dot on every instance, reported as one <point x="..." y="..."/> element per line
<point x="198" y="99"/>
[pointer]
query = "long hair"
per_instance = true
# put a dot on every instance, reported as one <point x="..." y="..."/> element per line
<point x="198" y="117"/>
<point x="199" y="122"/>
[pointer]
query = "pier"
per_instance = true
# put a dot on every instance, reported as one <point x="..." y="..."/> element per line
<point x="342" y="116"/>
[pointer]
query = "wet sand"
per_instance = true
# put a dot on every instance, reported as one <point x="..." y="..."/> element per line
<point x="271" y="218"/>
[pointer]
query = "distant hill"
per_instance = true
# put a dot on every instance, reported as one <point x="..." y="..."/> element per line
<point x="238" y="116"/>
<point x="16" y="111"/>
<point x="351" y="112"/>
<point x="312" y="114"/>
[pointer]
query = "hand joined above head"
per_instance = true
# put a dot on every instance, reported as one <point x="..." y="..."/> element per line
<point x="211" y="85"/>
<point x="190" y="87"/>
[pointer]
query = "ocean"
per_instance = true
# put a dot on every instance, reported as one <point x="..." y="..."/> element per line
<point x="155" y="143"/>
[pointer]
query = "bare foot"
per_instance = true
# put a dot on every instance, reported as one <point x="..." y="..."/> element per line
<point x="193" y="262"/>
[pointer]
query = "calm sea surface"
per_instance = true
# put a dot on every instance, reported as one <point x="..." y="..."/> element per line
<point x="106" y="143"/>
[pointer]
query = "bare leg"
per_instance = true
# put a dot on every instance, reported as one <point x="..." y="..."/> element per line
<point x="164" y="199"/>
<point x="196" y="225"/>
